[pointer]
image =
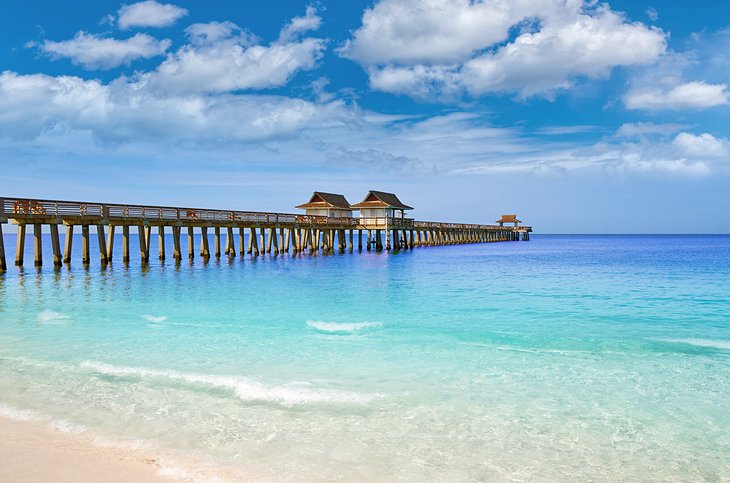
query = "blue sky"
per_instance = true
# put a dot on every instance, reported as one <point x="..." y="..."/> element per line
<point x="580" y="116"/>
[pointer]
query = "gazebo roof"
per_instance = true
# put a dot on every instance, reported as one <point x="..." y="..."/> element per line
<point x="380" y="199"/>
<point x="508" y="219"/>
<point x="326" y="200"/>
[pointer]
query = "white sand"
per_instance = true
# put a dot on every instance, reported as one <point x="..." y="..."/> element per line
<point x="31" y="451"/>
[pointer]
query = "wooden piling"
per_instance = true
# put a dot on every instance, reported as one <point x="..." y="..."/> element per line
<point x="3" y="263"/>
<point x="204" y="247"/>
<point x="125" y="244"/>
<point x="20" y="245"/>
<point x="102" y="244"/>
<point x="270" y="241"/>
<point x="217" y="240"/>
<point x="254" y="249"/>
<point x="148" y="240"/>
<point x="85" y="254"/>
<point x="274" y="239"/>
<point x="110" y="243"/>
<point x="191" y="243"/>
<point x="230" y="242"/>
<point x="161" y="242"/>
<point x="68" y="243"/>
<point x="176" y="251"/>
<point x="37" y="245"/>
<point x="144" y="255"/>
<point x="241" y="238"/>
<point x="287" y="239"/>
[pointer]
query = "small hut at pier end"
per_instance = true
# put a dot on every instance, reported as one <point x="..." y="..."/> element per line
<point x="508" y="219"/>
<point x="378" y="204"/>
<point x="327" y="204"/>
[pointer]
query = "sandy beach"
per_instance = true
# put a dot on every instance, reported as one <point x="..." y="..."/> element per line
<point x="31" y="451"/>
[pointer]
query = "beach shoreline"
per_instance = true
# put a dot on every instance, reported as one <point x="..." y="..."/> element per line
<point x="31" y="450"/>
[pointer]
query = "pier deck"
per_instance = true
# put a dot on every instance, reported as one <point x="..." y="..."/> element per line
<point x="268" y="232"/>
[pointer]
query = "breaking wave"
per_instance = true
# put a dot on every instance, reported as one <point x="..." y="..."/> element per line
<point x="248" y="390"/>
<point x="155" y="318"/>
<point x="342" y="327"/>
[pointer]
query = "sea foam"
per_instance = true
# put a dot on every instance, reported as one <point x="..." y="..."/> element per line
<point x="715" y="344"/>
<point x="52" y="317"/>
<point x="342" y="327"/>
<point x="18" y="414"/>
<point x="155" y="318"/>
<point x="248" y="390"/>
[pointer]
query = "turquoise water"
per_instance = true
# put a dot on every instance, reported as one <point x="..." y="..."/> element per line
<point x="563" y="358"/>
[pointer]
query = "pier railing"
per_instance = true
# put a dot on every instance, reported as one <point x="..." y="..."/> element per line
<point x="39" y="210"/>
<point x="303" y="232"/>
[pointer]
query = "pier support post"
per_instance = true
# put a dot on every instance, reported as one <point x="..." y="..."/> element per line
<point x="369" y="240"/>
<point x="294" y="232"/>
<point x="241" y="238"/>
<point x="102" y="243"/>
<point x="287" y="239"/>
<point x="352" y="240"/>
<point x="176" y="251"/>
<point x="20" y="246"/>
<point x="125" y="244"/>
<point x="270" y="241"/>
<point x="274" y="239"/>
<point x="217" y="241"/>
<point x="251" y="237"/>
<point x="37" y="245"/>
<point x="161" y="242"/>
<point x="262" y="234"/>
<point x="230" y="242"/>
<point x="148" y="240"/>
<point x="204" y="247"/>
<point x="143" y="253"/>
<point x="3" y="263"/>
<point x="68" y="243"/>
<point x="191" y="243"/>
<point x="359" y="240"/>
<point x="85" y="255"/>
<point x="255" y="242"/>
<point x="110" y="243"/>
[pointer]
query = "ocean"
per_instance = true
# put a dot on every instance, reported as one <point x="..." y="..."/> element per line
<point x="565" y="358"/>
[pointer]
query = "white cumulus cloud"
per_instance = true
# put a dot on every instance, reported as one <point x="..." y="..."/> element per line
<point x="221" y="57"/>
<point x="701" y="146"/>
<point x="149" y="14"/>
<point x="95" y="52"/>
<point x="690" y="95"/>
<point x="443" y="48"/>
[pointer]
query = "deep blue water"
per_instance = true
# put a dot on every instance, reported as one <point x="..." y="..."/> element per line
<point x="566" y="357"/>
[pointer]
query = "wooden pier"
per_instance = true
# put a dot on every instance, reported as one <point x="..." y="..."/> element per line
<point x="269" y="233"/>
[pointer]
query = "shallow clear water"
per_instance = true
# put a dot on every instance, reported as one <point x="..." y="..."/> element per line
<point x="566" y="357"/>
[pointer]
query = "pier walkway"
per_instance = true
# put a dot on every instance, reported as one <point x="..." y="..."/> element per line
<point x="273" y="233"/>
